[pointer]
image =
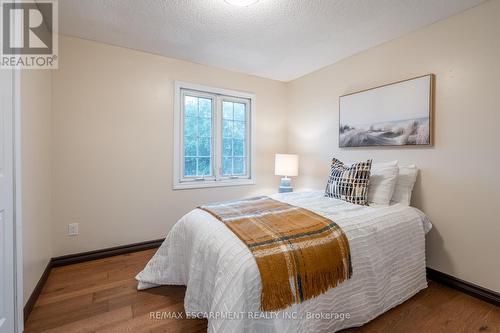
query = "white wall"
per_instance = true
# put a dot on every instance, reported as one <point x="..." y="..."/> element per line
<point x="36" y="104"/>
<point x="112" y="143"/>
<point x="459" y="182"/>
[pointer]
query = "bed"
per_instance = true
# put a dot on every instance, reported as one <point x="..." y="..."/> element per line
<point x="387" y="246"/>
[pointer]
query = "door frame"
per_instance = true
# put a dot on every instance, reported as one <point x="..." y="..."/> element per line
<point x="17" y="201"/>
<point x="14" y="274"/>
<point x="17" y="198"/>
<point x="17" y="206"/>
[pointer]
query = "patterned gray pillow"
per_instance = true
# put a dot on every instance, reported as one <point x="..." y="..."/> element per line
<point x="349" y="183"/>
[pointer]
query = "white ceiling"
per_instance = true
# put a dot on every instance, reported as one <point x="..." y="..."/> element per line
<point x="277" y="39"/>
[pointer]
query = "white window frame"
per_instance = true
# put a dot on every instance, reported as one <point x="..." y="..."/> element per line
<point x="217" y="95"/>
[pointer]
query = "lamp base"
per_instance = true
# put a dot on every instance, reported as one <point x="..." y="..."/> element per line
<point x="285" y="185"/>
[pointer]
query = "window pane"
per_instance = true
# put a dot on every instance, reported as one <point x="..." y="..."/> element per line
<point x="238" y="147"/>
<point x="227" y="128"/>
<point x="190" y="126"/>
<point x="204" y="166"/>
<point x="227" y="149"/>
<point x="234" y="127"/>
<point x="189" y="146"/>
<point x="189" y="166"/>
<point x="239" y="130"/>
<point x="205" y="108"/>
<point x="239" y="166"/>
<point x="198" y="115"/>
<point x="204" y="147"/>
<point x="227" y="110"/>
<point x="205" y="127"/>
<point x="227" y="166"/>
<point x="191" y="106"/>
<point x="239" y="111"/>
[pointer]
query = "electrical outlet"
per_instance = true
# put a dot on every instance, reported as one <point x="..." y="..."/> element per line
<point x="72" y="229"/>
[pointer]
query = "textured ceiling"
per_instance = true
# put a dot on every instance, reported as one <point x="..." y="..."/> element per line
<point x="278" y="39"/>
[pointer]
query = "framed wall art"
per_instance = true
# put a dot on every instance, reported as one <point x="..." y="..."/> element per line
<point x="395" y="114"/>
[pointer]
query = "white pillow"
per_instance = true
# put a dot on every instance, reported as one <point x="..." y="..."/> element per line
<point x="404" y="186"/>
<point x="383" y="177"/>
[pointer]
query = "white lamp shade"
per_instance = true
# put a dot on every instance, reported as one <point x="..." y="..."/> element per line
<point x="286" y="165"/>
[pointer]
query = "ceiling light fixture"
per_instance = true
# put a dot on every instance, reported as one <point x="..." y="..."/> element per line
<point x="241" y="3"/>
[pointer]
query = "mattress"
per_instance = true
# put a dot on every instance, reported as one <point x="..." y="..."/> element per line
<point x="223" y="282"/>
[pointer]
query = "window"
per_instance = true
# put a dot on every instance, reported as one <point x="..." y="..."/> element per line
<point x="212" y="137"/>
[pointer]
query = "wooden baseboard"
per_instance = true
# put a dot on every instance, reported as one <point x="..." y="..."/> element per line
<point x="82" y="257"/>
<point x="30" y="304"/>
<point x="487" y="295"/>
<point x="104" y="253"/>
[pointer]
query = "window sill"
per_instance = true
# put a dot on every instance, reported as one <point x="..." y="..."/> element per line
<point x="212" y="183"/>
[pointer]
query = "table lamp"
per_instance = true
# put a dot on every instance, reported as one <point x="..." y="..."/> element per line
<point x="286" y="165"/>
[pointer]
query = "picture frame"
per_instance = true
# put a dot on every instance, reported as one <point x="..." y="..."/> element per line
<point x="397" y="114"/>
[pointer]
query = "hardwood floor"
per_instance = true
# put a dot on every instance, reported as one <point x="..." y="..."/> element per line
<point x="101" y="296"/>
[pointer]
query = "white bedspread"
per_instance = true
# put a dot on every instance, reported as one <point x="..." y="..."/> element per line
<point x="223" y="282"/>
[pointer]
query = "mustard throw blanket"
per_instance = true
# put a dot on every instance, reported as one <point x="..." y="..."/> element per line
<point x="300" y="254"/>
